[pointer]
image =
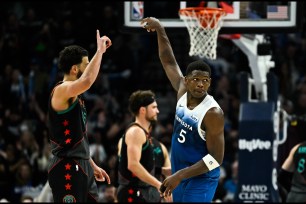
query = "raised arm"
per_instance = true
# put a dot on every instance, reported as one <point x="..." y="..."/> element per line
<point x="91" y="72"/>
<point x="76" y="86"/>
<point x="165" y="51"/>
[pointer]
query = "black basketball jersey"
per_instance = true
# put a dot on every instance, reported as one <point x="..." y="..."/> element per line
<point x="299" y="174"/>
<point x="68" y="135"/>
<point x="159" y="158"/>
<point x="125" y="176"/>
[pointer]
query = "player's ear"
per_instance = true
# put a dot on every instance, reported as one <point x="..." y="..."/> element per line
<point x="185" y="80"/>
<point x="74" y="69"/>
<point x="142" y="109"/>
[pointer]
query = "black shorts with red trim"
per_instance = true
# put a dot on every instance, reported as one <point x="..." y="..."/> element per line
<point x="72" y="180"/>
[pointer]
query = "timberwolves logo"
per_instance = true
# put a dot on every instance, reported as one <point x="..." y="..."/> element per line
<point x="69" y="199"/>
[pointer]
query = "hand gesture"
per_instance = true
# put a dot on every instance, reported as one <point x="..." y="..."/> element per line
<point x="103" y="42"/>
<point x="151" y="24"/>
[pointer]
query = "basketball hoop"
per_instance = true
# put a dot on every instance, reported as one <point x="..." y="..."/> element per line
<point x="203" y="26"/>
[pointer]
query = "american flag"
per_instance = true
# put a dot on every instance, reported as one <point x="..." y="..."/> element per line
<point x="277" y="12"/>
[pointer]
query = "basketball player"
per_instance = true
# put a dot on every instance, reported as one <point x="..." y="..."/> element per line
<point x="197" y="146"/>
<point x="161" y="159"/>
<point x="71" y="170"/>
<point x="292" y="176"/>
<point x="136" y="158"/>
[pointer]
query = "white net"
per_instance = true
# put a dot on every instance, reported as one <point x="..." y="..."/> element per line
<point x="203" y="25"/>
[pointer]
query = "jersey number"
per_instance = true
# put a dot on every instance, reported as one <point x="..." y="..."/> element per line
<point x="182" y="138"/>
<point x="301" y="166"/>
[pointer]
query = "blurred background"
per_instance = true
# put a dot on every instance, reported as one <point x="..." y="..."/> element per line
<point x="33" y="33"/>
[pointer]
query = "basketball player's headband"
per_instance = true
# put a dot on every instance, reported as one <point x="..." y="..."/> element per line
<point x="146" y="101"/>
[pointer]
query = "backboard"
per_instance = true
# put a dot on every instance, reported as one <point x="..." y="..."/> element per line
<point x="246" y="16"/>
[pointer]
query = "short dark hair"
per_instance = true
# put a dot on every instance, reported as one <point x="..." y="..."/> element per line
<point x="70" y="56"/>
<point x="198" y="65"/>
<point x="140" y="98"/>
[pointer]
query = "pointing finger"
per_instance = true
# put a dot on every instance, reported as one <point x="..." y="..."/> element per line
<point x="98" y="34"/>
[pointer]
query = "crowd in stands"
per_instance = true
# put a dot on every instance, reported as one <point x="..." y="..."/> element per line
<point x="31" y="36"/>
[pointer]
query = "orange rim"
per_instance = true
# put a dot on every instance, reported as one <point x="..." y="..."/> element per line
<point x="199" y="10"/>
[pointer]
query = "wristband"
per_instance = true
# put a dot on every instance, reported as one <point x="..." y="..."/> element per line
<point x="210" y="162"/>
